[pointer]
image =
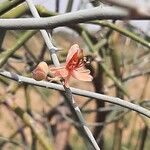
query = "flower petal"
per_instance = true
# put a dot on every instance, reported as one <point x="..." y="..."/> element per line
<point x="83" y="70"/>
<point x="82" y="76"/>
<point x="72" y="53"/>
<point x="59" y="72"/>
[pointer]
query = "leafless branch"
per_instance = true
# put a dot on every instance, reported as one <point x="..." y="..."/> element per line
<point x="110" y="99"/>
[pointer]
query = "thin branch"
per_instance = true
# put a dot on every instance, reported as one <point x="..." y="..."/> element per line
<point x="12" y="136"/>
<point x="105" y="109"/>
<point x="83" y="128"/>
<point x="6" y="54"/>
<point x="12" y="141"/>
<point x="45" y="35"/>
<point x="57" y="5"/>
<point x="16" y="12"/>
<point x="122" y="31"/>
<point x="29" y="121"/>
<point x="69" y="18"/>
<point x="69" y="98"/>
<point x="69" y="6"/>
<point x="110" y="99"/>
<point x="117" y="82"/>
<point x="7" y="5"/>
<point x="136" y="74"/>
<point x="133" y="76"/>
<point x="130" y="5"/>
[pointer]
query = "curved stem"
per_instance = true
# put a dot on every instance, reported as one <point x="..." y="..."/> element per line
<point x="123" y="31"/>
<point x="110" y="99"/>
<point x="80" y="16"/>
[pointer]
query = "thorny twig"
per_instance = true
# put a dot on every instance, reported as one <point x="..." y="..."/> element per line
<point x="69" y="98"/>
<point x="76" y="91"/>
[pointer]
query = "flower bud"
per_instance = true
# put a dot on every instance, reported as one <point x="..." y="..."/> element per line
<point x="40" y="72"/>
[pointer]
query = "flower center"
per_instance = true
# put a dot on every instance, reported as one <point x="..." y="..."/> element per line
<point x="75" y="64"/>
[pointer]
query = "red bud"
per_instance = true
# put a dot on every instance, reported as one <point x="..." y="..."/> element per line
<point x="41" y="71"/>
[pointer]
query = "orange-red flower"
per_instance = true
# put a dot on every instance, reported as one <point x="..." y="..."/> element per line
<point x="74" y="67"/>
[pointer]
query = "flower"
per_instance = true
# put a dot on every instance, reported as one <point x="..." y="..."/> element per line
<point x="41" y="71"/>
<point x="74" y="67"/>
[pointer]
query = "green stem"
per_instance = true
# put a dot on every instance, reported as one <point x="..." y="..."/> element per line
<point x="26" y="47"/>
<point x="2" y="36"/>
<point x="143" y="138"/>
<point x="87" y="39"/>
<point x="23" y="8"/>
<point x="15" y="12"/>
<point x="29" y="121"/>
<point x="6" y="54"/>
<point x="116" y="81"/>
<point x="115" y="59"/>
<point x="100" y="44"/>
<point x="4" y="81"/>
<point x="106" y="70"/>
<point x="8" y="4"/>
<point x="12" y="136"/>
<point x="123" y="31"/>
<point x="69" y="6"/>
<point x="28" y="100"/>
<point x="29" y="110"/>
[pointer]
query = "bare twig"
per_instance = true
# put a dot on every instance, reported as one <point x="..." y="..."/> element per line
<point x="123" y="31"/>
<point x="76" y="91"/>
<point x="45" y="35"/>
<point x="69" y="18"/>
<point x="12" y="136"/>
<point x="69" y="98"/>
<point x="12" y="141"/>
<point x="137" y="9"/>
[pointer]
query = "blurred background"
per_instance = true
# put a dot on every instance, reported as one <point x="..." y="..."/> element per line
<point x="117" y="54"/>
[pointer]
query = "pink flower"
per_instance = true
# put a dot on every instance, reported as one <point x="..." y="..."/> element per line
<point x="74" y="67"/>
